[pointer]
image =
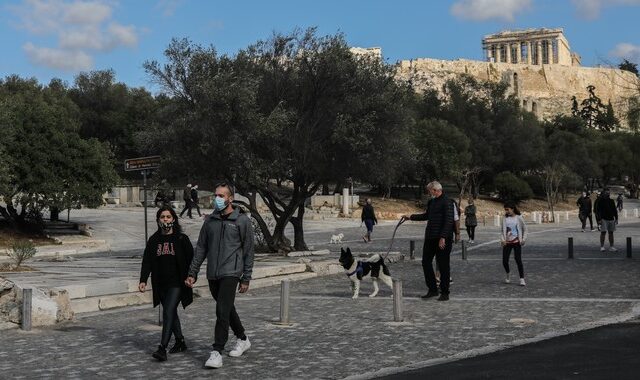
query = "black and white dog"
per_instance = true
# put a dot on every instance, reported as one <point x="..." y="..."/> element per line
<point x="357" y="270"/>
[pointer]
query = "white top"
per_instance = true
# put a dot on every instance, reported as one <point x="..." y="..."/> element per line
<point x="511" y="223"/>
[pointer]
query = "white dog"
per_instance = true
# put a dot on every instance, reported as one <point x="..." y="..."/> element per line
<point x="335" y="239"/>
<point x="372" y="267"/>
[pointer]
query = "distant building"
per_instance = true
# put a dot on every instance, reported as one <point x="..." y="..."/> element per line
<point x="532" y="47"/>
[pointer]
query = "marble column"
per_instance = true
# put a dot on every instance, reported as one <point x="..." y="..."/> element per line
<point x="508" y="51"/>
<point x="539" y="52"/>
<point x="528" y="52"/>
<point x="498" y="53"/>
<point x="518" y="52"/>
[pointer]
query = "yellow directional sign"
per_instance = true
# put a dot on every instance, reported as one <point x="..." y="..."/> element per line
<point x="142" y="163"/>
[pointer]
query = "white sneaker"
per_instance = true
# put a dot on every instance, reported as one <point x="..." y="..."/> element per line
<point x="240" y="348"/>
<point x="612" y="249"/>
<point x="507" y="280"/>
<point x="214" y="361"/>
<point x="471" y="241"/>
<point x="602" y="249"/>
<point x="522" y="283"/>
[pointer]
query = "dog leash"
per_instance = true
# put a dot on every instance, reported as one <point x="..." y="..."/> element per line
<point x="402" y="220"/>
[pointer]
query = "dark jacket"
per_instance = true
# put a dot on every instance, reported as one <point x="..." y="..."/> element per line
<point x="470" y="218"/>
<point x="439" y="215"/>
<point x="607" y="209"/>
<point x="194" y="195"/>
<point x="227" y="244"/>
<point x="584" y="204"/>
<point x="368" y="213"/>
<point x="186" y="194"/>
<point x="184" y="255"/>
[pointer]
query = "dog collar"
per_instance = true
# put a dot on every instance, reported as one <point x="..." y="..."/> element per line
<point x="359" y="268"/>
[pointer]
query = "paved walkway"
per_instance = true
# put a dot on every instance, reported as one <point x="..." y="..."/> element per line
<point x="336" y="337"/>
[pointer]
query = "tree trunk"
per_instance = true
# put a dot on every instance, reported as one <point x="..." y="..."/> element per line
<point x="298" y="230"/>
<point x="325" y="189"/>
<point x="54" y="214"/>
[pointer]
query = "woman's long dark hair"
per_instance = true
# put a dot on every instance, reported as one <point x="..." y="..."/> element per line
<point x="176" y="225"/>
<point x="512" y="205"/>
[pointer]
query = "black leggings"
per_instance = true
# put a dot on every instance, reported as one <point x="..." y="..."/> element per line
<point x="170" y="298"/>
<point x="506" y="252"/>
<point x="471" y="232"/>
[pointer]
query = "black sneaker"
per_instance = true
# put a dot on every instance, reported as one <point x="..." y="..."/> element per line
<point x="180" y="346"/>
<point x="443" y="297"/>
<point x="160" y="354"/>
<point x="430" y="294"/>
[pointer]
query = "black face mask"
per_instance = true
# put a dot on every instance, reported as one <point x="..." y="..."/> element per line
<point x="165" y="226"/>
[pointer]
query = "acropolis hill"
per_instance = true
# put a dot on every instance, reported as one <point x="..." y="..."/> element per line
<point x="539" y="67"/>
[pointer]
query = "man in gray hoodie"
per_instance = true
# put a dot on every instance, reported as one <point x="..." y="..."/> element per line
<point x="226" y="241"/>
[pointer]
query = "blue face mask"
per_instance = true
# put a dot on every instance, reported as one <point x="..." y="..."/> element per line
<point x="220" y="203"/>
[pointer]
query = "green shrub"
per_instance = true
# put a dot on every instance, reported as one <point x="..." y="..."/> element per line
<point x="536" y="183"/>
<point x="511" y="187"/>
<point x="22" y="250"/>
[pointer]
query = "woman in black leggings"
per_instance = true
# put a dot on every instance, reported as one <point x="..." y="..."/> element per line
<point x="513" y="237"/>
<point x="167" y="257"/>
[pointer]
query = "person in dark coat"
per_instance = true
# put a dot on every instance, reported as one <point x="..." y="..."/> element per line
<point x="438" y="240"/>
<point x="167" y="258"/>
<point x="608" y="213"/>
<point x="188" y="202"/>
<point x="369" y="219"/>
<point x="584" y="210"/>
<point x="619" y="202"/>
<point x="194" y="198"/>
<point x="470" y="220"/>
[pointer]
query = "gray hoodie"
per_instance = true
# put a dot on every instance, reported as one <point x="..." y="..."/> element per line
<point x="228" y="246"/>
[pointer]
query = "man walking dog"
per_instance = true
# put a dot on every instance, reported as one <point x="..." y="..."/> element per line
<point x="226" y="240"/>
<point x="438" y="240"/>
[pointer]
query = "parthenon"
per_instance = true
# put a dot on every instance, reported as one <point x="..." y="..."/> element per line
<point x="532" y="47"/>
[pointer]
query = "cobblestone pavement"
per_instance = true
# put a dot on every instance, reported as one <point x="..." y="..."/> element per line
<point x="336" y="337"/>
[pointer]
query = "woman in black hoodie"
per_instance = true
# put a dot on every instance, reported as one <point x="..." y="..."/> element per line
<point x="167" y="257"/>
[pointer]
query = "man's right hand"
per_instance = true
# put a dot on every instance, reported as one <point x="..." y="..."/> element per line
<point x="190" y="281"/>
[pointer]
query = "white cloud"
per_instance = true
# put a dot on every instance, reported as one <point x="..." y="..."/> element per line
<point x="122" y="35"/>
<point x="627" y="51"/>
<point x="72" y="60"/>
<point x="91" y="12"/>
<point x="483" y="10"/>
<point x="82" y="28"/>
<point x="168" y="7"/>
<point x="590" y="9"/>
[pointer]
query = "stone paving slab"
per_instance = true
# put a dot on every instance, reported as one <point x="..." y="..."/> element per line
<point x="335" y="337"/>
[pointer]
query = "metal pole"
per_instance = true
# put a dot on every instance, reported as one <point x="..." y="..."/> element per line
<point x="284" y="301"/>
<point x="27" y="295"/>
<point x="412" y="249"/>
<point x="629" y="247"/>
<point x="464" y="249"/>
<point x="571" y="248"/>
<point x="144" y="189"/>
<point x="397" y="301"/>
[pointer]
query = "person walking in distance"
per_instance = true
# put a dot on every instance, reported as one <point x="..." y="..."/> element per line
<point x="194" y="198"/>
<point x="369" y="219"/>
<point x="438" y="240"/>
<point x="619" y="202"/>
<point x="606" y="209"/>
<point x="584" y="210"/>
<point x="186" y="196"/>
<point x="470" y="220"/>
<point x="512" y="238"/>
<point x="596" y="208"/>
<point x="167" y="258"/>
<point x="226" y="241"/>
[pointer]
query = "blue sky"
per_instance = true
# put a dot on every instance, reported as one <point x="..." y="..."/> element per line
<point x="60" y="38"/>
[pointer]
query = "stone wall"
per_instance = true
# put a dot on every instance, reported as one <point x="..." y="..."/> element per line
<point x="549" y="87"/>
<point x="49" y="306"/>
